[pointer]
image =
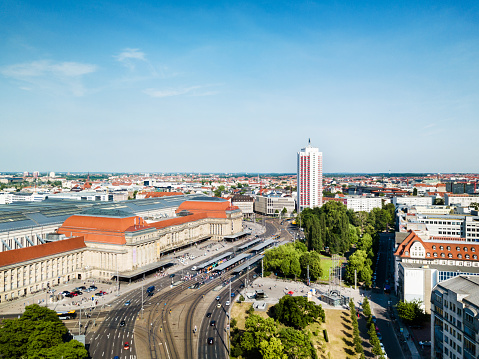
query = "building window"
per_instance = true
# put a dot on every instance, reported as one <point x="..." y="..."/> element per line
<point x="465" y="249"/>
<point x="428" y="254"/>
<point x="450" y="255"/>
<point x="441" y="248"/>
<point x="443" y="255"/>
<point x="434" y="247"/>
<point x="448" y="248"/>
<point x="467" y="256"/>
<point x="458" y="249"/>
<point x="435" y="254"/>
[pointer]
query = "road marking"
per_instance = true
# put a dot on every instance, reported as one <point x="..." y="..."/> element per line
<point x="167" y="352"/>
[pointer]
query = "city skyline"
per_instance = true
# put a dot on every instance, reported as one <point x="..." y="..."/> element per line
<point x="221" y="88"/>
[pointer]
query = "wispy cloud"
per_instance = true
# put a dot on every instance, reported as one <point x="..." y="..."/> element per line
<point x="49" y="75"/>
<point x="170" y="92"/>
<point x="129" y="56"/>
<point x="430" y="125"/>
<point x="191" y="91"/>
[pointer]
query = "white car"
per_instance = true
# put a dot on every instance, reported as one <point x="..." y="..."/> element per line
<point x="193" y="268"/>
<point x="227" y="303"/>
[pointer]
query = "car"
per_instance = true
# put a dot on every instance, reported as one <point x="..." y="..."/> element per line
<point x="211" y="340"/>
<point x="213" y="323"/>
<point x="227" y="303"/>
<point x="377" y="328"/>
<point x="380" y="337"/>
<point x="126" y="346"/>
<point x="426" y="343"/>
<point x="68" y="295"/>
<point x="373" y="318"/>
<point x="74" y="294"/>
<point x="103" y="292"/>
<point x="94" y="287"/>
<point x="65" y="292"/>
<point x="208" y="315"/>
<point x="172" y="275"/>
<point x="232" y="295"/>
<point x="218" y="305"/>
<point x="193" y="268"/>
<point x="241" y="286"/>
<point x="128" y="302"/>
<point x="218" y="297"/>
<point x="99" y="294"/>
<point x="122" y="323"/>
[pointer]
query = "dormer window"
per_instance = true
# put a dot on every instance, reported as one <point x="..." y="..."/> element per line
<point x="443" y="255"/>
<point x="450" y="255"/>
<point x="428" y="254"/>
<point x="448" y="248"/>
<point x="407" y="253"/>
<point x="459" y="256"/>
<point x="474" y="256"/>
<point x="435" y="254"/>
<point x="434" y="247"/>
<point x="468" y="256"/>
<point x="473" y="249"/>
<point x="465" y="249"/>
<point x="441" y="248"/>
<point x="458" y="249"/>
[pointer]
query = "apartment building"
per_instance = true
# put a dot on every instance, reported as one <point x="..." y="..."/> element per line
<point x="310" y="177"/>
<point x="455" y="318"/>
<point x="422" y="262"/>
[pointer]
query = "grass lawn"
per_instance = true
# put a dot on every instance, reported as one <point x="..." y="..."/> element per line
<point x="338" y="325"/>
<point x="326" y="263"/>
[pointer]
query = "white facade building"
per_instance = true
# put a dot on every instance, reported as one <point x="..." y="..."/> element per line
<point x="272" y="203"/>
<point x="460" y="200"/>
<point x="413" y="201"/>
<point x="310" y="178"/>
<point x="366" y="204"/>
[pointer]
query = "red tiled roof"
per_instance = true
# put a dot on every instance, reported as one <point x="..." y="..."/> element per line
<point x="162" y="194"/>
<point x="438" y="249"/>
<point x="102" y="229"/>
<point x="42" y="250"/>
<point x="212" y="209"/>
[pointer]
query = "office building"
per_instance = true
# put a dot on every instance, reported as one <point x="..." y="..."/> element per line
<point x="310" y="178"/>
<point x="455" y="318"/>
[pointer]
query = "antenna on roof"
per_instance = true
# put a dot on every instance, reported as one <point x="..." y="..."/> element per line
<point x="309" y="141"/>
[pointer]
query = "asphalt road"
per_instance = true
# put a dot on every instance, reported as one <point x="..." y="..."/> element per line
<point x="380" y="300"/>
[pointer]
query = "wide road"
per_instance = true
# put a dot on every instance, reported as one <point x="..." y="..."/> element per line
<point x="380" y="300"/>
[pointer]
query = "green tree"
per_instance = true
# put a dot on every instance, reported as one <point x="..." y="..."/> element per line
<point x="366" y="307"/>
<point x="297" y="312"/>
<point x="272" y="349"/>
<point x="313" y="259"/>
<point x="297" y="344"/>
<point x="219" y="190"/>
<point x="411" y="312"/>
<point x="414" y="191"/>
<point x="284" y="211"/>
<point x="439" y="201"/>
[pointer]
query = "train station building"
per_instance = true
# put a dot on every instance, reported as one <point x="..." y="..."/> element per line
<point x="102" y="242"/>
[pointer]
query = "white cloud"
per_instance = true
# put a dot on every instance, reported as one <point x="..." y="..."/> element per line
<point x="43" y="68"/>
<point x="56" y="77"/>
<point x="170" y="92"/>
<point x="128" y="56"/>
<point x="430" y="125"/>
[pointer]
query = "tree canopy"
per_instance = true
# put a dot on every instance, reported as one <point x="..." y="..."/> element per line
<point x="38" y="333"/>
<point x="297" y="312"/>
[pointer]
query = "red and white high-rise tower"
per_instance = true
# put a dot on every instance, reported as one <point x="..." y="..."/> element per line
<point x="310" y="178"/>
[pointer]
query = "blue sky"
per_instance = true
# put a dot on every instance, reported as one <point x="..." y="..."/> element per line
<point x="216" y="86"/>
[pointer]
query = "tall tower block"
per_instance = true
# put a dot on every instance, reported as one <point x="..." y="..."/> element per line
<point x="310" y="177"/>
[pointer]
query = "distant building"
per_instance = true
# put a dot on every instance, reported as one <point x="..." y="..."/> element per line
<point x="310" y="178"/>
<point x="271" y="203"/>
<point x="412" y="201"/>
<point x="461" y="200"/>
<point x="245" y="203"/>
<point x="455" y="318"/>
<point x="366" y="204"/>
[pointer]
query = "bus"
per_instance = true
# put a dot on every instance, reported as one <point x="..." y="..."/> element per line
<point x="150" y="290"/>
<point x="71" y="314"/>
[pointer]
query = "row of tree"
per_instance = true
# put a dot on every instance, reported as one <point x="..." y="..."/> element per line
<point x="373" y="335"/>
<point x="358" y="347"/>
<point x="411" y="312"/>
<point x="265" y="338"/>
<point x="38" y="333"/>
<point x="292" y="260"/>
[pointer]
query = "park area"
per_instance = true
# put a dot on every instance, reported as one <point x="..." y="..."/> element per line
<point x="338" y="327"/>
